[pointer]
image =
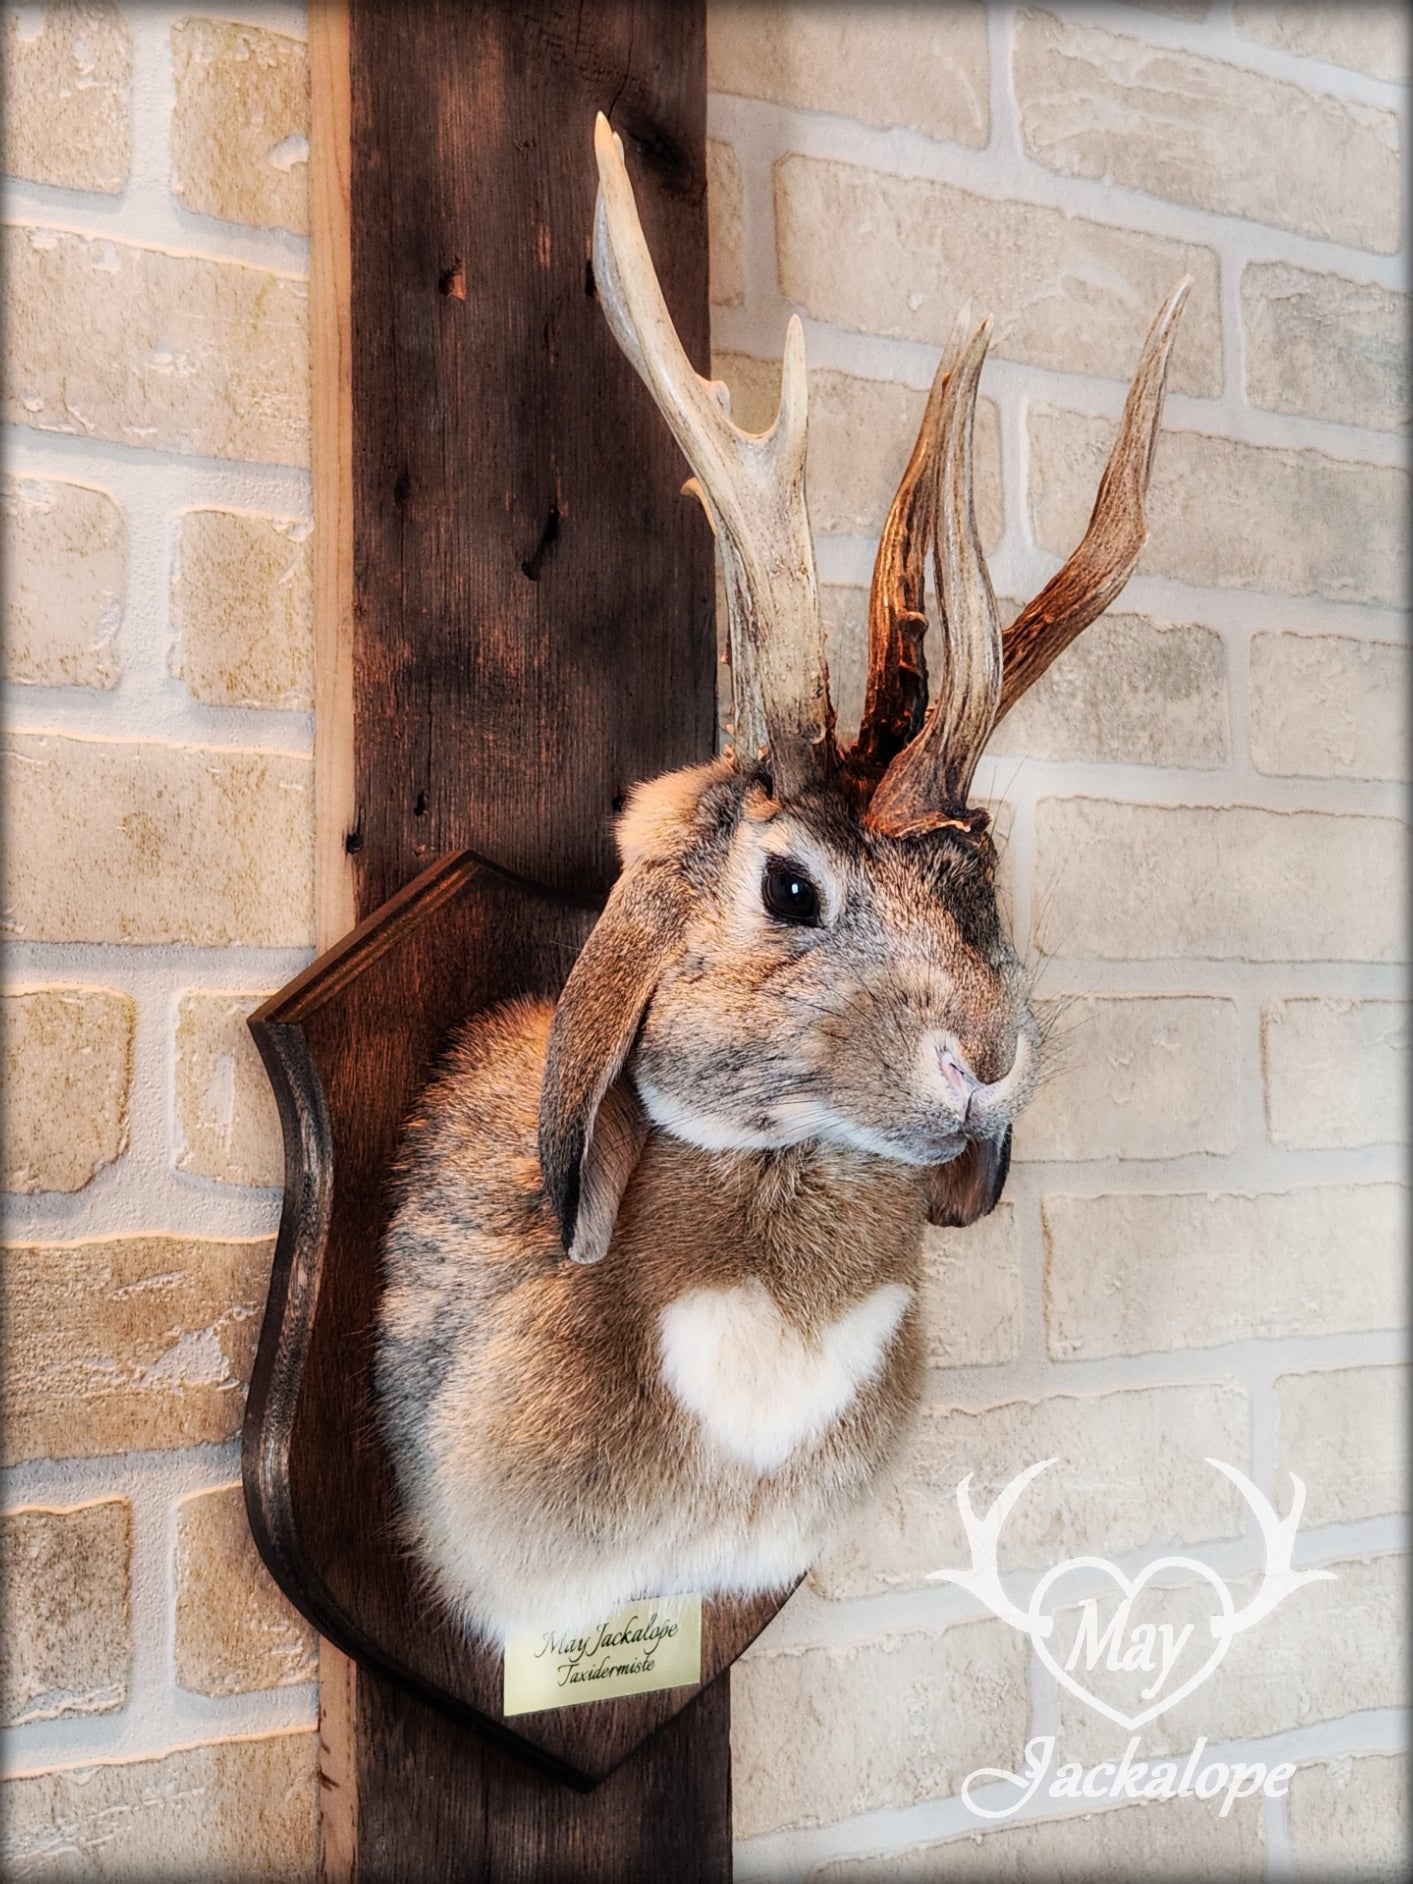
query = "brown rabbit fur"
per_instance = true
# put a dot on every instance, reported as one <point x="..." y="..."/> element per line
<point x="797" y="1032"/>
<point x="698" y="1409"/>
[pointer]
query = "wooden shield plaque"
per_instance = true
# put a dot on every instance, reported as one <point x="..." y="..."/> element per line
<point x="348" y="1044"/>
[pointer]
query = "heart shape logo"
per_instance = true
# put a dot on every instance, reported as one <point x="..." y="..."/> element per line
<point x="1125" y="1648"/>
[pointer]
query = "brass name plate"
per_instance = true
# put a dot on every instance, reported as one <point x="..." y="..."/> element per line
<point x="655" y="1643"/>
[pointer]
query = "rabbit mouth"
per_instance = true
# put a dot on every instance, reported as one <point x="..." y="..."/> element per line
<point x="942" y="1147"/>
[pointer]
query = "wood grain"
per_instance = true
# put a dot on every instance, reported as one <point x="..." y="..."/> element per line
<point x="513" y="623"/>
<point x="528" y="580"/>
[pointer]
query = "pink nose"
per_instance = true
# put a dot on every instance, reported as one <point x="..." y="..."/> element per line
<point x="957" y="1075"/>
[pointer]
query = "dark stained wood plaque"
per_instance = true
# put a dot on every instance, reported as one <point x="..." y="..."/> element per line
<point x="348" y="1045"/>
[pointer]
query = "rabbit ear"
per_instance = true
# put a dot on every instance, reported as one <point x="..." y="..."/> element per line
<point x="591" y="1131"/>
<point x="969" y="1186"/>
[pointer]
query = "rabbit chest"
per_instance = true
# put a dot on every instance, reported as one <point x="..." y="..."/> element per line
<point x="761" y="1385"/>
<point x="787" y="1306"/>
<point x="695" y="1411"/>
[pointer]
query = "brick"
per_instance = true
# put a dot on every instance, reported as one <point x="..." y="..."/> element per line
<point x="1349" y="1818"/>
<point x="68" y="1640"/>
<point x="179" y="352"/>
<point x="141" y="841"/>
<point x="235" y="1632"/>
<point x="970" y="1295"/>
<point x="227" y="1121"/>
<point x="229" y="1809"/>
<point x="1370" y="37"/>
<point x="1327" y="1650"/>
<point x="1325" y="347"/>
<point x="67" y="79"/>
<point x="68" y="1076"/>
<point x="1134" y="1076"/>
<point x="1148" y="882"/>
<point x="1175" y="9"/>
<point x="1344" y="1431"/>
<point x="1121" y="1482"/>
<point x="1141" y="1272"/>
<point x="1204" y="133"/>
<point x="240" y="123"/>
<point x="861" y="434"/>
<point x="884" y="1724"/>
<point x="1130" y="691"/>
<point x="64" y="574"/>
<point x="903" y="253"/>
<point x="1227" y="515"/>
<point x="242" y="605"/>
<point x="923" y="68"/>
<point x="1175" y="1839"/>
<point x="725" y="213"/>
<point x="1336" y="1072"/>
<point x="1329" y="706"/>
<point x="128" y="1343"/>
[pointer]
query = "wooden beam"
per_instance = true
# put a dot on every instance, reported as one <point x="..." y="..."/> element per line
<point x="514" y="622"/>
<point x="533" y="600"/>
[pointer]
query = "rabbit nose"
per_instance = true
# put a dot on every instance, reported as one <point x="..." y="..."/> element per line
<point x="958" y="1076"/>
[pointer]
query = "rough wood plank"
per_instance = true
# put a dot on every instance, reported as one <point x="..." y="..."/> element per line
<point x="528" y="581"/>
<point x="488" y="615"/>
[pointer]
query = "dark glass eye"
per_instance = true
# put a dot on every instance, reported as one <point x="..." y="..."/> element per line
<point x="788" y="894"/>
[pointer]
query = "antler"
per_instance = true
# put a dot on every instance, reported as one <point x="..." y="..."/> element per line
<point x="1279" y="1579"/>
<point x="983" y="1534"/>
<point x="931" y="761"/>
<point x="926" y="784"/>
<point x="1113" y="542"/>
<point x="895" y="700"/>
<point x="752" y="487"/>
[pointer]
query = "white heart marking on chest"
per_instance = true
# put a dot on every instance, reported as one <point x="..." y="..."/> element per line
<point x="758" y="1385"/>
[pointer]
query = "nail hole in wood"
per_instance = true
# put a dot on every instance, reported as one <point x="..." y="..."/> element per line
<point x="549" y="536"/>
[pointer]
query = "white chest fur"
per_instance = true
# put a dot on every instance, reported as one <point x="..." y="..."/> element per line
<point x="758" y="1385"/>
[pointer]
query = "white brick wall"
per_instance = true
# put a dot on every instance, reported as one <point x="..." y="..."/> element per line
<point x="1200" y="1248"/>
<point x="1204" y="1247"/>
<point x="159" y="868"/>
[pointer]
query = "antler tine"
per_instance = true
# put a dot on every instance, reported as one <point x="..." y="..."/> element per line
<point x="896" y="696"/>
<point x="1113" y="542"/>
<point x="751" y="485"/>
<point x="926" y="784"/>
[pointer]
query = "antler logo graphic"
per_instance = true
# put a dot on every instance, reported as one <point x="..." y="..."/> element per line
<point x="1120" y="1645"/>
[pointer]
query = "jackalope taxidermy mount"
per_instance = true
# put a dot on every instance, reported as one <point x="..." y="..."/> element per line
<point x="797" y="1034"/>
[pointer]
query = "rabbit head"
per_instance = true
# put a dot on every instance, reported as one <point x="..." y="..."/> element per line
<point x="804" y="943"/>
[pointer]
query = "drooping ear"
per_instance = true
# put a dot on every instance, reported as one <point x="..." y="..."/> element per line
<point x="969" y="1186"/>
<point x="592" y="1129"/>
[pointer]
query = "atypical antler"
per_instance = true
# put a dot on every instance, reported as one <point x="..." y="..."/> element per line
<point x="926" y="785"/>
<point x="751" y="485"/>
<point x="983" y="1579"/>
<point x="1111" y="546"/>
<point x="895" y="698"/>
<point x="1279" y="1578"/>
<point x="982" y="674"/>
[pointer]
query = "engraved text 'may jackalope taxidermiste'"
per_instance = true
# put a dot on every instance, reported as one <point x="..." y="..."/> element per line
<point x="797" y="1034"/>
